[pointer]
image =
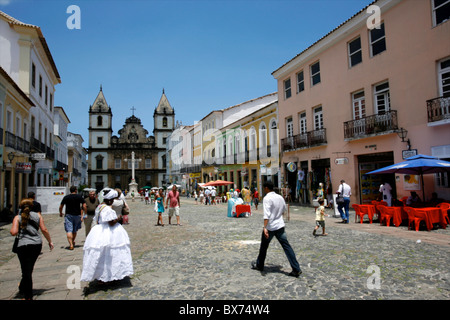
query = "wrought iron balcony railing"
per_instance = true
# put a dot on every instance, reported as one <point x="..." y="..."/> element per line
<point x="305" y="140"/>
<point x="371" y="125"/>
<point x="438" y="109"/>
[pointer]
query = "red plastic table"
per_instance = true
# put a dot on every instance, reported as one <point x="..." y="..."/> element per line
<point x="434" y="215"/>
<point x="241" y="208"/>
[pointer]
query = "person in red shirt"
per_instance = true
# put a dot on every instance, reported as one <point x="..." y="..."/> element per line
<point x="174" y="198"/>
<point x="256" y="198"/>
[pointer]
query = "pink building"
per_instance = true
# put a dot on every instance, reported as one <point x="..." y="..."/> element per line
<point x="362" y="98"/>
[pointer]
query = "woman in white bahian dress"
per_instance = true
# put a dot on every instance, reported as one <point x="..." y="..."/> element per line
<point x="107" y="254"/>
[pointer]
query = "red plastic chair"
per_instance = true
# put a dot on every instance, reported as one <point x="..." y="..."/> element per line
<point x="415" y="216"/>
<point x="358" y="212"/>
<point x="444" y="208"/>
<point x="385" y="215"/>
<point x="410" y="212"/>
<point x="404" y="200"/>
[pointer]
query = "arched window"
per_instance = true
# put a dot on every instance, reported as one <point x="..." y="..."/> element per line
<point x="164" y="122"/>
<point x="252" y="143"/>
<point x="273" y="132"/>
<point x="262" y="140"/>
<point x="99" y="121"/>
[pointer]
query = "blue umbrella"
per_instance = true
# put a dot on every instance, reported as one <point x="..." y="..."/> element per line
<point x="418" y="165"/>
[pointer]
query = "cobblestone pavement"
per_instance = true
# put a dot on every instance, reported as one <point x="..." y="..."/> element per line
<point x="209" y="257"/>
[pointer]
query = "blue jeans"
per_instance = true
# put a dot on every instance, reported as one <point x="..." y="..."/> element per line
<point x="281" y="236"/>
<point x="346" y="206"/>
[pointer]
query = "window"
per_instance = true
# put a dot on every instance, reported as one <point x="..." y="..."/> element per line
<point x="99" y="162"/>
<point x="441" y="11"/>
<point x="382" y="98"/>
<point x="51" y="102"/>
<point x="263" y="139"/>
<point x="46" y="95"/>
<point x="164" y="140"/>
<point x="117" y="163"/>
<point x="40" y="86"/>
<point x="359" y="105"/>
<point x="148" y="163"/>
<point x="9" y="121"/>
<point x="354" y="52"/>
<point x="302" y="122"/>
<point x="273" y="132"/>
<point x="315" y="73"/>
<point x="99" y="140"/>
<point x="99" y="121"/>
<point x="33" y="75"/>
<point x="287" y="88"/>
<point x="377" y="40"/>
<point x="318" y="118"/>
<point x="289" y="127"/>
<point x="164" y="122"/>
<point x="444" y="78"/>
<point x="300" y="82"/>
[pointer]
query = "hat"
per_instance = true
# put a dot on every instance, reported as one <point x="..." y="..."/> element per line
<point x="110" y="194"/>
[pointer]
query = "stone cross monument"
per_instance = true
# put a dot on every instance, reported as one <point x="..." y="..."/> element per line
<point x="133" y="185"/>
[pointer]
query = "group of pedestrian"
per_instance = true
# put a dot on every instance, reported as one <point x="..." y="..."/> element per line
<point x="107" y="254"/>
<point x="171" y="202"/>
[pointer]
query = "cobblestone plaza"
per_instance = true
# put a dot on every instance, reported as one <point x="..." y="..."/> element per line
<point x="209" y="258"/>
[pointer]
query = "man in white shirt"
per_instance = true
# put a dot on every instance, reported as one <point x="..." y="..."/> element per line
<point x="346" y="191"/>
<point x="207" y="196"/>
<point x="386" y="189"/>
<point x="274" y="208"/>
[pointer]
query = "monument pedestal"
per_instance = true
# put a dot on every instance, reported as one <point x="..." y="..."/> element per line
<point x="133" y="188"/>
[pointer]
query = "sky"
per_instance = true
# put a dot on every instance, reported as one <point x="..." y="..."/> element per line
<point x="206" y="54"/>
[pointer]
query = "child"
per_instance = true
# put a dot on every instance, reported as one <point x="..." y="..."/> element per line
<point x="320" y="218"/>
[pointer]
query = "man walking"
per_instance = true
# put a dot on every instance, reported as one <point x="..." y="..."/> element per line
<point x="274" y="207"/>
<point x="174" y="198"/>
<point x="73" y="216"/>
<point x="346" y="191"/>
<point x="92" y="203"/>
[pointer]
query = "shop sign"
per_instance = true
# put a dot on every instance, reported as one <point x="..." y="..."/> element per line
<point x="291" y="166"/>
<point x="341" y="160"/>
<point x="23" y="167"/>
<point x="38" y="156"/>
<point x="409" y="153"/>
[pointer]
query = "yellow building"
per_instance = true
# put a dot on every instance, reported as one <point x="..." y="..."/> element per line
<point x="250" y="150"/>
<point x="237" y="144"/>
<point x="15" y="159"/>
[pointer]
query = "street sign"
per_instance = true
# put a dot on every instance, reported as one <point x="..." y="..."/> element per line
<point x="38" y="156"/>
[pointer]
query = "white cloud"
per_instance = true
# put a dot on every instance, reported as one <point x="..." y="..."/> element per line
<point x="5" y="2"/>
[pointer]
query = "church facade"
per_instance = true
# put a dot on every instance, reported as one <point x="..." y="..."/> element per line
<point x="109" y="156"/>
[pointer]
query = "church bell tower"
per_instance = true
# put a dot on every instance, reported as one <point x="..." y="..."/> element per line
<point x="100" y="131"/>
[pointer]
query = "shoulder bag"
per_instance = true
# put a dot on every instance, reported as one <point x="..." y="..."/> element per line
<point x="340" y="196"/>
<point x="125" y="209"/>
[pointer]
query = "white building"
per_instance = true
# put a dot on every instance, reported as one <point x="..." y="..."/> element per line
<point x="26" y="58"/>
<point x="60" y="165"/>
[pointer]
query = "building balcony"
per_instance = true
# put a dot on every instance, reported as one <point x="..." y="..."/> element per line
<point x="438" y="110"/>
<point x="371" y="126"/>
<point x="17" y="143"/>
<point x="304" y="140"/>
